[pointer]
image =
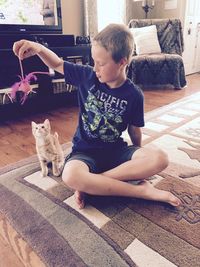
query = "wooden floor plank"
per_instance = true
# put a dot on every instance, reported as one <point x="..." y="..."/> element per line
<point x="7" y="257"/>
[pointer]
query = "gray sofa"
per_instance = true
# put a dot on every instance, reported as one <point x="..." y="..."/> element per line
<point x="166" y="68"/>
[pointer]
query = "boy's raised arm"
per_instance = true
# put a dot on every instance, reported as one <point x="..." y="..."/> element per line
<point x="24" y="49"/>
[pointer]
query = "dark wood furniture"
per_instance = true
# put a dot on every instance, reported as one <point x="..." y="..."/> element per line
<point x="51" y="91"/>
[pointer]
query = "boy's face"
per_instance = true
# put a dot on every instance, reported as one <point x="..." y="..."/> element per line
<point x="107" y="70"/>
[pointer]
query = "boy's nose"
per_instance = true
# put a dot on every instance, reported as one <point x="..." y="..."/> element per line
<point x="95" y="68"/>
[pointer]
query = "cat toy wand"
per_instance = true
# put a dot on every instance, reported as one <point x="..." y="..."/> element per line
<point x="24" y="84"/>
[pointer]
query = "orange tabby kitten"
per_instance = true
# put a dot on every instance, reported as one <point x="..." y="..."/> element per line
<point x="48" y="148"/>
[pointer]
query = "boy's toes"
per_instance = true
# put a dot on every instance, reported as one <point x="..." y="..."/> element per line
<point x="174" y="201"/>
<point x="80" y="199"/>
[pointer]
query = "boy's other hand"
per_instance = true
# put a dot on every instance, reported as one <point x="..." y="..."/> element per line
<point x="24" y="49"/>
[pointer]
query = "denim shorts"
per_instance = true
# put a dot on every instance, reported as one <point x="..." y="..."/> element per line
<point x="102" y="160"/>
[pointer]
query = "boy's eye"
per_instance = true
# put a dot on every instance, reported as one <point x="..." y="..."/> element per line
<point x="100" y="64"/>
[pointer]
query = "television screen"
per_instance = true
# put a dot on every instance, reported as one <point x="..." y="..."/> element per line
<point x="30" y="16"/>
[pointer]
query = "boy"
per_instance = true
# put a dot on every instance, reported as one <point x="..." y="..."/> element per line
<point x="101" y="163"/>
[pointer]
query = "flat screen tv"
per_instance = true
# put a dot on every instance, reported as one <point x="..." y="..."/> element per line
<point x="30" y="16"/>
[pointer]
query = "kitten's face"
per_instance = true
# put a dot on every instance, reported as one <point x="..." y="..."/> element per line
<point x="41" y="129"/>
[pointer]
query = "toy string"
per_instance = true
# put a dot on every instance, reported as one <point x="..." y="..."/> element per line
<point x="21" y="68"/>
<point x="35" y="72"/>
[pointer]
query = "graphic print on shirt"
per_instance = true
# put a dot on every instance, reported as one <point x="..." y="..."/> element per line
<point x="103" y="115"/>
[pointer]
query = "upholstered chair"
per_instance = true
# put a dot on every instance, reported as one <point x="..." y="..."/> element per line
<point x="157" y="58"/>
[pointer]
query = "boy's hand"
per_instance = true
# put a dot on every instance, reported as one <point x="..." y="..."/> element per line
<point x="24" y="49"/>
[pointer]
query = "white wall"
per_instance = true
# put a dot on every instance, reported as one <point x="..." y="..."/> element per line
<point x="159" y="10"/>
<point x="72" y="17"/>
<point x="178" y="12"/>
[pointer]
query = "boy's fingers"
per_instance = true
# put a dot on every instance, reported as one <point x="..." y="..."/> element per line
<point x="23" y="51"/>
<point x="16" y="48"/>
<point x="20" y="49"/>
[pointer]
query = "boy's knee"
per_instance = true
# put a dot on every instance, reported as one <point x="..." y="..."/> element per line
<point x="69" y="176"/>
<point x="161" y="159"/>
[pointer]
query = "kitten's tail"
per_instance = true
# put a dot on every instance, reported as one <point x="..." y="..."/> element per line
<point x="58" y="147"/>
<point x="56" y="135"/>
<point x="56" y="141"/>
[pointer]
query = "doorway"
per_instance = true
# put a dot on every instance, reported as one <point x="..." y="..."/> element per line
<point x="191" y="54"/>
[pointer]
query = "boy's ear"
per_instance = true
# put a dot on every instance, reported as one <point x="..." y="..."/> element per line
<point x="123" y="62"/>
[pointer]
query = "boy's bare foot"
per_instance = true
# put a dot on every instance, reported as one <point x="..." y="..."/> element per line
<point x="153" y="193"/>
<point x="80" y="199"/>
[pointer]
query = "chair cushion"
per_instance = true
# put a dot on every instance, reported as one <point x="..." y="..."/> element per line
<point x="169" y="31"/>
<point x="157" y="69"/>
<point x="146" y="40"/>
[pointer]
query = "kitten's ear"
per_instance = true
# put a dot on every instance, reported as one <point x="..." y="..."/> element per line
<point x="47" y="124"/>
<point x="33" y="124"/>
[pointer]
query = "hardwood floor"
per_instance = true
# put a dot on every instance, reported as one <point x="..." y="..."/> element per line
<point x="7" y="256"/>
<point x="16" y="140"/>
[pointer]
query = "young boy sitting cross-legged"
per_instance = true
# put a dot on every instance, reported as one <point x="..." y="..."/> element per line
<point x="101" y="162"/>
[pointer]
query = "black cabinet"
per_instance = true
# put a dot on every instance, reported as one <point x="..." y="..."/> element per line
<point x="50" y="91"/>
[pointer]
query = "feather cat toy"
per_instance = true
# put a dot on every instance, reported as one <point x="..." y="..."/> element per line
<point x="24" y="84"/>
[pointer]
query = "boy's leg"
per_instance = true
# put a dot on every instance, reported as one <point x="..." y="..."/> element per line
<point x="77" y="176"/>
<point x="145" y="162"/>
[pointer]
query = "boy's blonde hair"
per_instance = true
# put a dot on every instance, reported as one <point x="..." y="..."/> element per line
<point x="116" y="39"/>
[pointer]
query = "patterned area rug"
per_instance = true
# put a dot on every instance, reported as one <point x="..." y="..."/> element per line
<point x="115" y="231"/>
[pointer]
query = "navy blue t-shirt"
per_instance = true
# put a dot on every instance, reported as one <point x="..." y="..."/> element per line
<point x="104" y="112"/>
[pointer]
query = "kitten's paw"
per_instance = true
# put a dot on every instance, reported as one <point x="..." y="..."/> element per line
<point x="44" y="172"/>
<point x="56" y="170"/>
<point x="61" y="166"/>
<point x="57" y="173"/>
